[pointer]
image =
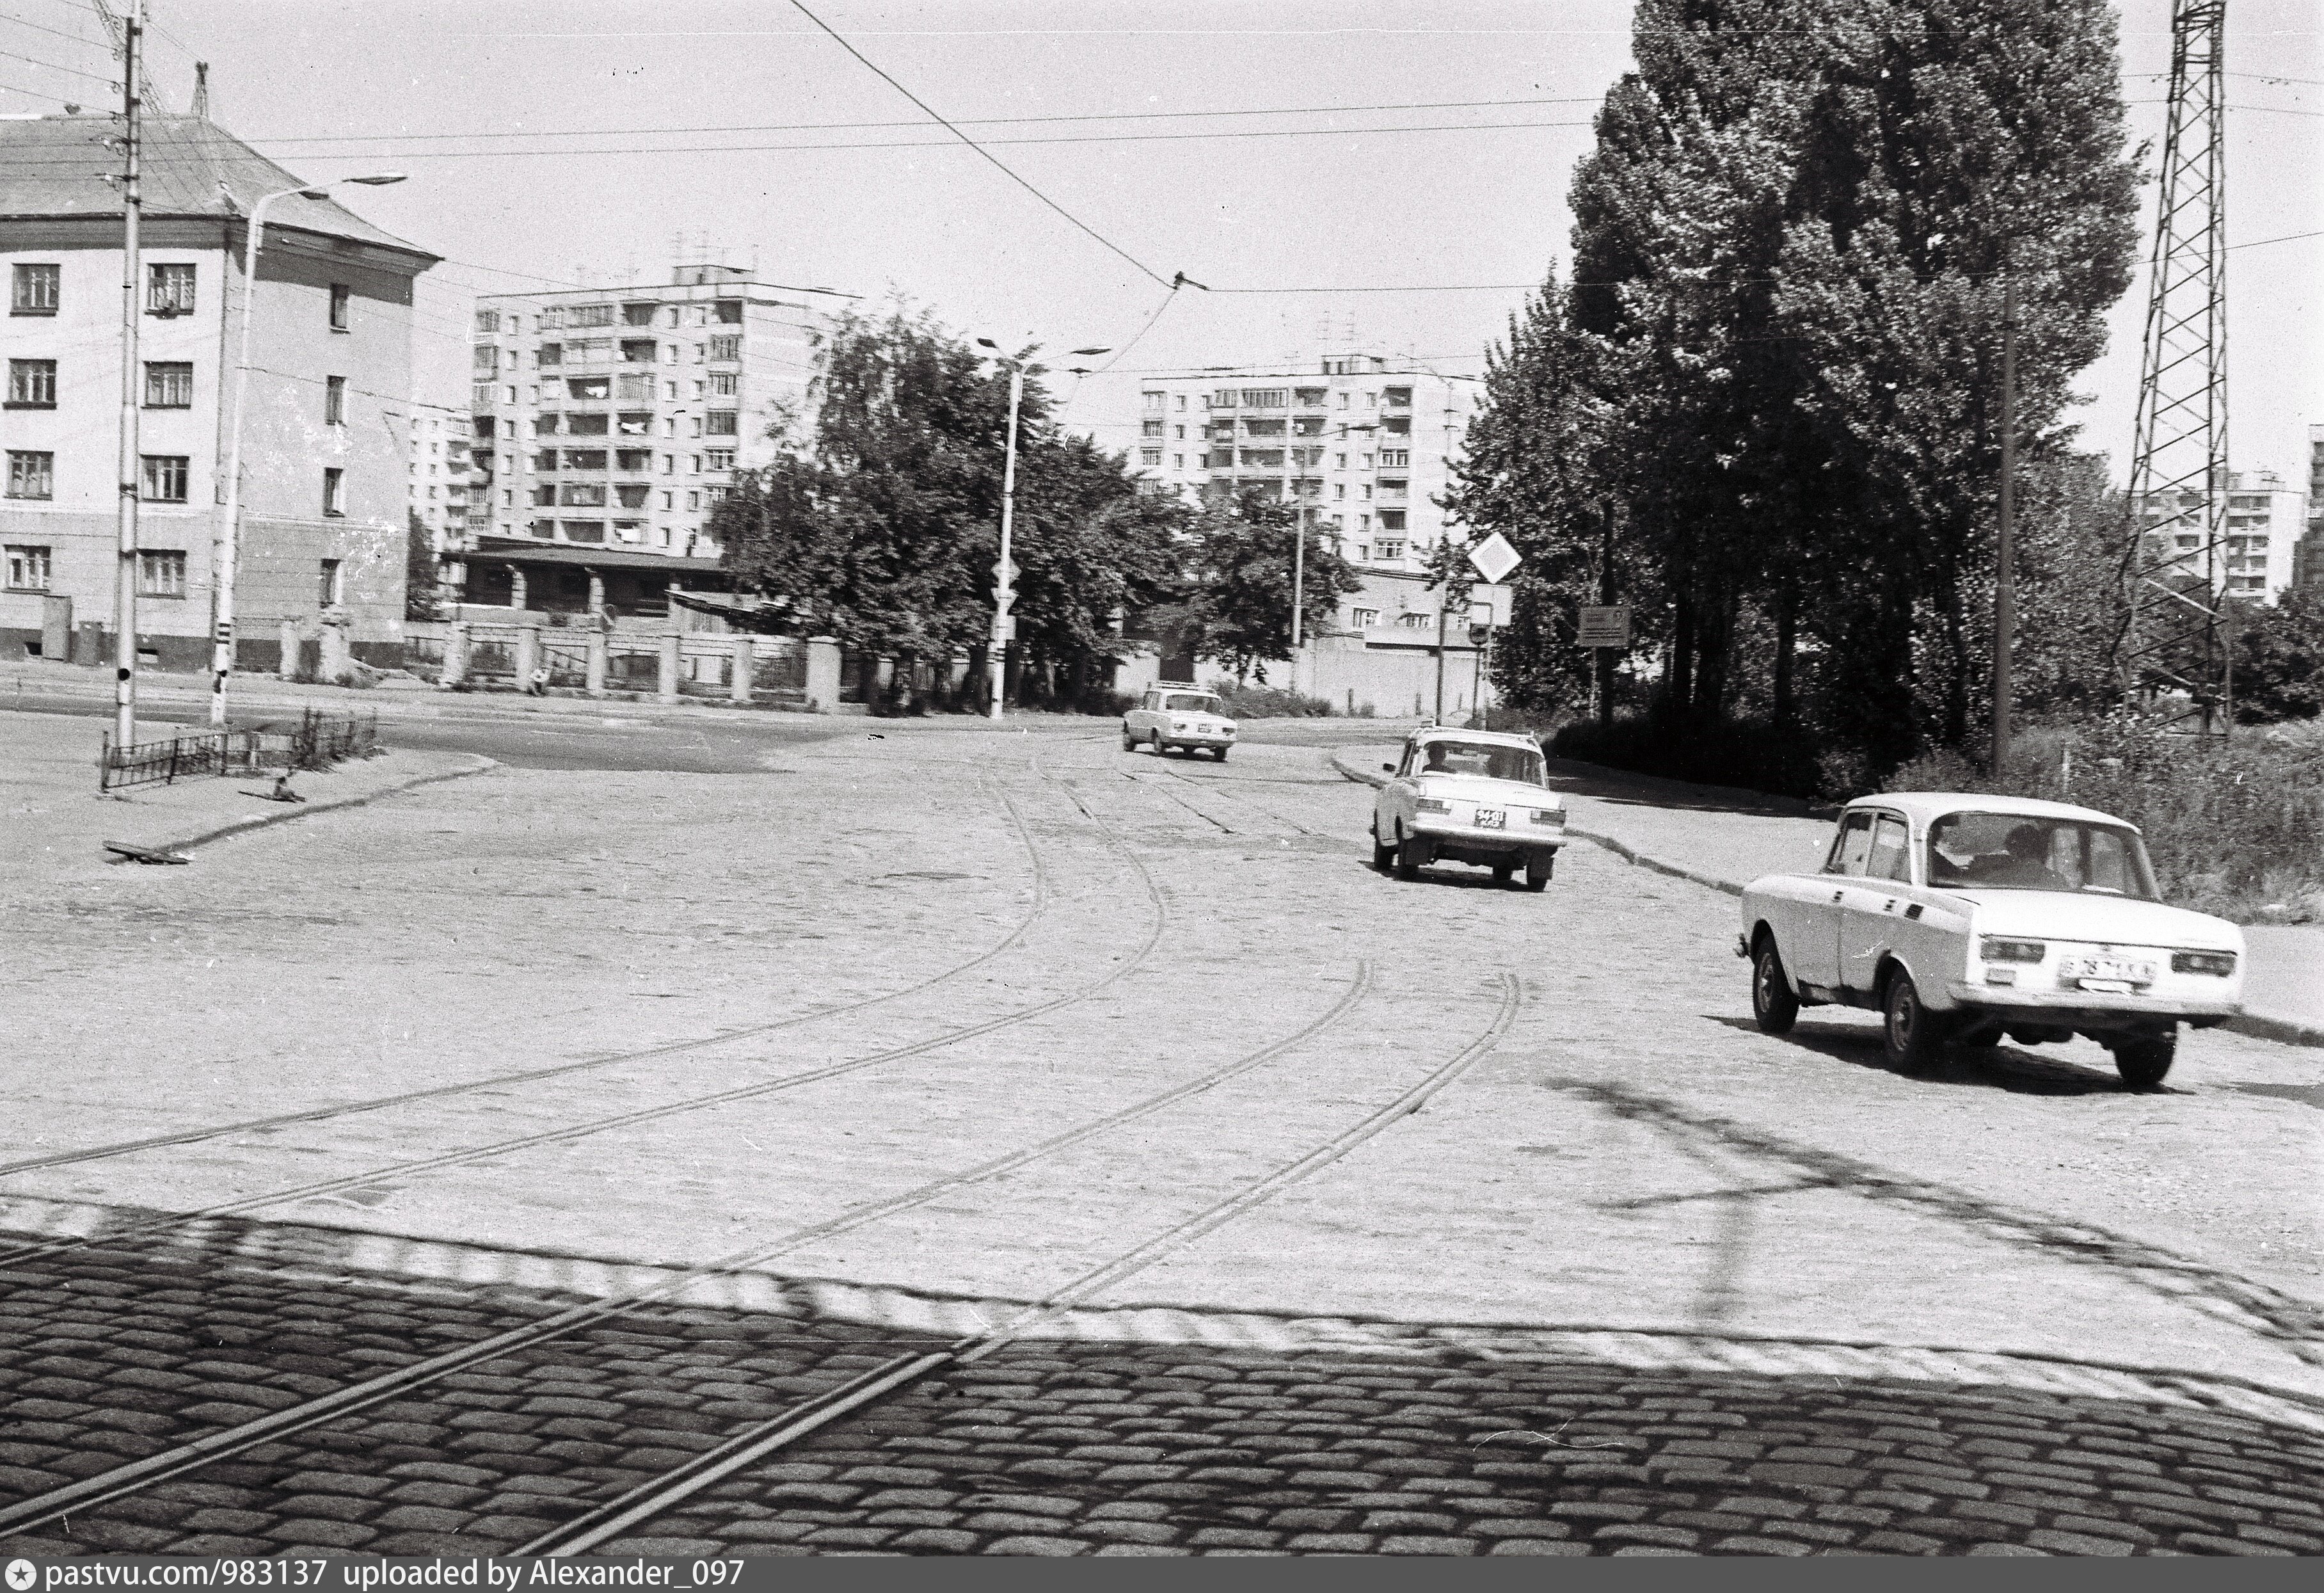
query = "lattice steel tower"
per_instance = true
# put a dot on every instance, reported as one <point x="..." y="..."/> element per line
<point x="2174" y="654"/>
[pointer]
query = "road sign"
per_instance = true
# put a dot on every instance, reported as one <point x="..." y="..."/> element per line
<point x="1608" y="626"/>
<point x="1494" y="557"/>
<point x="1008" y="627"/>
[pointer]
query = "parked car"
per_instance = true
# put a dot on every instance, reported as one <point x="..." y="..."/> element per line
<point x="1176" y="714"/>
<point x="1967" y="917"/>
<point x="1469" y="796"/>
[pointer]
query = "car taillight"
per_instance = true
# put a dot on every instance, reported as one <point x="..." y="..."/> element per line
<point x="1433" y="805"/>
<point x="2203" y="963"/>
<point x="1549" y="815"/>
<point x="1995" y="950"/>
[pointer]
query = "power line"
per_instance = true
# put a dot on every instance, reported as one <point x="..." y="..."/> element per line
<point x="53" y="67"/>
<point x="1313" y="110"/>
<point x="1084" y="228"/>
<point x="59" y="32"/>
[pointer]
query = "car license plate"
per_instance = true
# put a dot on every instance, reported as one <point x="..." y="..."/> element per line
<point x="2092" y="971"/>
<point x="1488" y="819"/>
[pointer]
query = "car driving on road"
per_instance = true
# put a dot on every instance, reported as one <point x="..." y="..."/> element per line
<point x="1967" y="917"/>
<point x="1174" y="714"/>
<point x="1469" y="796"/>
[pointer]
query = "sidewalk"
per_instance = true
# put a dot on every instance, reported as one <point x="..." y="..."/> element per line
<point x="1722" y="838"/>
<point x="54" y="823"/>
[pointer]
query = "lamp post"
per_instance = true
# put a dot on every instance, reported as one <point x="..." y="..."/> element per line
<point x="225" y="541"/>
<point x="1004" y="575"/>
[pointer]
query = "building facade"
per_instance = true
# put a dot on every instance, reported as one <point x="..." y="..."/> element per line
<point x="438" y="467"/>
<point x="2307" y="557"/>
<point x="2264" y="525"/>
<point x="616" y="419"/>
<point x="324" y="497"/>
<point x="1362" y="442"/>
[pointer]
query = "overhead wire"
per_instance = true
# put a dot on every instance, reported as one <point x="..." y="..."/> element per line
<point x="54" y="67"/>
<point x="995" y="161"/>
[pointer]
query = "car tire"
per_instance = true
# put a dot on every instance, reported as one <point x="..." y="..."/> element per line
<point x="1773" y="1003"/>
<point x="1538" y="871"/>
<point x="1907" y="1028"/>
<point x="1128" y="741"/>
<point x="1154" y="743"/>
<point x="1504" y="872"/>
<point x="1383" y="855"/>
<point x="2143" y="1062"/>
<point x="1219" y="752"/>
<point x="1408" y="859"/>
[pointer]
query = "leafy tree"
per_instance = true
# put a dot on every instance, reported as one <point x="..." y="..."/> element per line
<point x="2279" y="658"/>
<point x="1238" y="606"/>
<point x="423" y="575"/>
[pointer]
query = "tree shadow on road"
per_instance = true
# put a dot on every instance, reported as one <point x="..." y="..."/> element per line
<point x="2003" y="1068"/>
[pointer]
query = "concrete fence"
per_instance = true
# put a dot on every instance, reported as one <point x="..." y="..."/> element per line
<point x="670" y="666"/>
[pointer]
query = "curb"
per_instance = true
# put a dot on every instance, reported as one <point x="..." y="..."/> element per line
<point x="2258" y="1026"/>
<point x="262" y="820"/>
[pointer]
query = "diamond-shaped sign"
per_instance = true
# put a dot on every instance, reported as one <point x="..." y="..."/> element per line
<point x="1494" y="557"/>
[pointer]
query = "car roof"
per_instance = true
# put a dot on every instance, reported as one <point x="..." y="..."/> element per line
<point x="1427" y="733"/>
<point x="1925" y="807"/>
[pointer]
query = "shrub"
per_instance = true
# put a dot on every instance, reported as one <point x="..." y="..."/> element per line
<point x="1745" y="753"/>
<point x="1244" y="702"/>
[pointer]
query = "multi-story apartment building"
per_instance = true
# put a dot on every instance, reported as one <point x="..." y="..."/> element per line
<point x="439" y="470"/>
<point x="2307" y="557"/>
<point x="330" y="362"/>
<point x="2265" y="520"/>
<point x="608" y="422"/>
<point x="1361" y="440"/>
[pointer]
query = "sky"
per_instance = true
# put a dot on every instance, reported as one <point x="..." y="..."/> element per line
<point x="1456" y="184"/>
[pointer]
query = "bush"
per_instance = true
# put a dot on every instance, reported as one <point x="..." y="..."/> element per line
<point x="1243" y="701"/>
<point x="1745" y="753"/>
<point x="1521" y="721"/>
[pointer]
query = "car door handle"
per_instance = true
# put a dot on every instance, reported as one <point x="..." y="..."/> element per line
<point x="1836" y="895"/>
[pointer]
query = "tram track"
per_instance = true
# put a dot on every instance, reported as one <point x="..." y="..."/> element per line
<point x="121" y="1482"/>
<point x="1041" y="895"/>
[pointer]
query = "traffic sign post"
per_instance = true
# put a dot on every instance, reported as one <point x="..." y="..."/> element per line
<point x="1606" y="626"/>
<point x="1494" y="559"/>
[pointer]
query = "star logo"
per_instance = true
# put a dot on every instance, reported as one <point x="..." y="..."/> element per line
<point x="22" y="1575"/>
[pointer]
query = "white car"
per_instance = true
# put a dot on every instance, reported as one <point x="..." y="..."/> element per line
<point x="1174" y="714"/>
<point x="1469" y="796"/>
<point x="1967" y="917"/>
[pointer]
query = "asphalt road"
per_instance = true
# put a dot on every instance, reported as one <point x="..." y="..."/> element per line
<point x="1270" y="1204"/>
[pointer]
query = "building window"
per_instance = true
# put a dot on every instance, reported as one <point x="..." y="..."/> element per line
<point x="335" y="491"/>
<point x="1395" y="458"/>
<point x="584" y="458"/>
<point x="160" y="575"/>
<point x="1149" y="456"/>
<point x="1153" y="402"/>
<point x="1364" y="618"/>
<point x="28" y="566"/>
<point x="720" y="459"/>
<point x="169" y="290"/>
<point x="583" y="495"/>
<point x="35" y="291"/>
<point x="722" y="384"/>
<point x="31" y="475"/>
<point x="1177" y="461"/>
<point x="1389" y="547"/>
<point x="330" y="584"/>
<point x="631" y="495"/>
<point x="584" y="426"/>
<point x="586" y="388"/>
<point x="340" y="294"/>
<point x="169" y="385"/>
<point x="1391" y="520"/>
<point x="32" y="384"/>
<point x="549" y="353"/>
<point x="637" y="315"/>
<point x="637" y="351"/>
<point x="488" y="321"/>
<point x="589" y="315"/>
<point x="720" y="422"/>
<point x="730" y="312"/>
<point x="1418" y="620"/>
<point x="165" y="478"/>
<point x="334" y="400"/>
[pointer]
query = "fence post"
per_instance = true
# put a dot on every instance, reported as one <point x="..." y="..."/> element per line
<point x="105" y="761"/>
<point x="594" y="681"/>
<point x="666" y="685"/>
<point x="455" y="652"/>
<point x="822" y="674"/>
<point x="528" y="655"/>
<point x="292" y="637"/>
<point x="333" y="664"/>
<point x="744" y="664"/>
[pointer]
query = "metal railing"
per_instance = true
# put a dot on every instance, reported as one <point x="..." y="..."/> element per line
<point x="317" y="741"/>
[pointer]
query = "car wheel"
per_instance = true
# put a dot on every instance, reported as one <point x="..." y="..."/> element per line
<point x="1154" y="743"/>
<point x="2143" y="1062"/>
<point x="1383" y="853"/>
<point x="1128" y="741"/>
<point x="1539" y="869"/>
<point x="1219" y="752"/>
<point x="1774" y="1002"/>
<point x="1408" y="859"/>
<point x="1504" y="872"/>
<point x="1909" y="1029"/>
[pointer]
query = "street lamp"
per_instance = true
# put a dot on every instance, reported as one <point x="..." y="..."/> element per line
<point x="1004" y="585"/>
<point x="225" y="541"/>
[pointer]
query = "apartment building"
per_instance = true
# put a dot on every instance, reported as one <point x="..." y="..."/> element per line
<point x="1361" y="440"/>
<point x="607" y="424"/>
<point x="438" y="467"/>
<point x="2307" y="557"/>
<point x="330" y="369"/>
<point x="2264" y="523"/>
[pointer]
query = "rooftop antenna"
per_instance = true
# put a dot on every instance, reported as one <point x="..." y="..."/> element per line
<point x="201" y="107"/>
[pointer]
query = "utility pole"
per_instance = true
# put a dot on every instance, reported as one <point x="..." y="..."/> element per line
<point x="1003" y="588"/>
<point x="1601" y="671"/>
<point x="1298" y="586"/>
<point x="124" y="601"/>
<point x="2005" y="585"/>
<point x="1440" y="655"/>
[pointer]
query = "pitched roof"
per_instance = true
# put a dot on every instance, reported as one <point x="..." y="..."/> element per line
<point x="54" y="166"/>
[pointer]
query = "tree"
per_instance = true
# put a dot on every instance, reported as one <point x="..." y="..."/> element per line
<point x="1239" y="581"/>
<point x="423" y="572"/>
<point x="2279" y="658"/>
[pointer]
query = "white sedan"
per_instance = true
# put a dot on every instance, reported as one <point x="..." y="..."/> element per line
<point x="1174" y="714"/>
<point x="1469" y="796"/>
<point x="1967" y="917"/>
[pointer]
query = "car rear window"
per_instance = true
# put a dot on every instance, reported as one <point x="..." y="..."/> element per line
<point x="2019" y="852"/>
<point x="1190" y="702"/>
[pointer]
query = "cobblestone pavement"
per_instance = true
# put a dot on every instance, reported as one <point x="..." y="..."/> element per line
<point x="2099" y="1308"/>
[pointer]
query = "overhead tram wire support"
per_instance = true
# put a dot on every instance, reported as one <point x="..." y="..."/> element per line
<point x="2173" y="655"/>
